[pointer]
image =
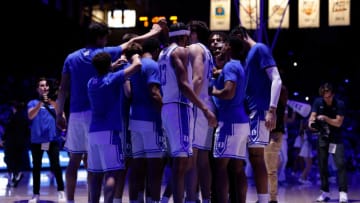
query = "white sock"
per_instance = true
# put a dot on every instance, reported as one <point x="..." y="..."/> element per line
<point x="263" y="198"/>
<point x="117" y="200"/>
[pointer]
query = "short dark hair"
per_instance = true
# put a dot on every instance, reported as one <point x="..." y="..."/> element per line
<point x="133" y="48"/>
<point x="128" y="36"/>
<point x="42" y="78"/>
<point x="326" y="87"/>
<point x="239" y="31"/>
<point x="177" y="26"/>
<point x="221" y="34"/>
<point x="96" y="30"/>
<point x="235" y="44"/>
<point x="201" y="29"/>
<point x="102" y="62"/>
<point x="151" y="45"/>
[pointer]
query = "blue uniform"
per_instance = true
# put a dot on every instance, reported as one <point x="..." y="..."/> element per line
<point x="106" y="126"/>
<point x="78" y="65"/>
<point x="80" y="69"/>
<point x="233" y="129"/>
<point x="258" y="90"/>
<point x="258" y="83"/>
<point x="145" y="119"/>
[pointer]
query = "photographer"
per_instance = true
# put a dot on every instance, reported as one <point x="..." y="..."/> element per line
<point x="326" y="117"/>
<point x="41" y="112"/>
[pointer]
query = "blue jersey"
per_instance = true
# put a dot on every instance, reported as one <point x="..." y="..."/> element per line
<point x="105" y="100"/>
<point x="232" y="110"/>
<point x="142" y="106"/>
<point x="43" y="126"/>
<point x="79" y="66"/>
<point x="258" y="87"/>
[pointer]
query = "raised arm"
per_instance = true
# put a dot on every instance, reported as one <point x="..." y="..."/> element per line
<point x="155" y="31"/>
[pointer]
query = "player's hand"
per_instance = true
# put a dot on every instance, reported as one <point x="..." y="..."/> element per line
<point x="211" y="118"/>
<point x="61" y="121"/>
<point x="270" y="120"/>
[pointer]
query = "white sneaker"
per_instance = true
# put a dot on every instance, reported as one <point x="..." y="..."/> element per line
<point x="34" y="199"/>
<point x="61" y="197"/>
<point x="324" y="197"/>
<point x="343" y="198"/>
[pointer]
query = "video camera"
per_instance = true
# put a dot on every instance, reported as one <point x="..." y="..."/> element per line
<point x="322" y="127"/>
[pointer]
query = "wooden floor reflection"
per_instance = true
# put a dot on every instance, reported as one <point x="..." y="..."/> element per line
<point x="291" y="192"/>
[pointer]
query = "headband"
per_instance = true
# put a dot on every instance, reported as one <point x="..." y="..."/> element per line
<point x="179" y="32"/>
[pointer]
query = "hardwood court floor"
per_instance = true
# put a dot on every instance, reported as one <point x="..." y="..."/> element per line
<point x="292" y="192"/>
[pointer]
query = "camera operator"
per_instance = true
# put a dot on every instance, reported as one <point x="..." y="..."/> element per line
<point x="42" y="114"/>
<point x="326" y="117"/>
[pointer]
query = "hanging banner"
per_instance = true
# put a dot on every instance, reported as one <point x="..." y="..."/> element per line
<point x="309" y="14"/>
<point x="278" y="13"/>
<point x="249" y="13"/>
<point x="339" y="12"/>
<point x="220" y="14"/>
<point x="301" y="108"/>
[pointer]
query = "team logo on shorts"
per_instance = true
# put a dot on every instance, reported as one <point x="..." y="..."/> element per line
<point x="161" y="140"/>
<point x="253" y="136"/>
<point x="221" y="144"/>
<point x="221" y="141"/>
<point x="186" y="141"/>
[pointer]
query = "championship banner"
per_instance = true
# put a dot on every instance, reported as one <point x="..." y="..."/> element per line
<point x="299" y="107"/>
<point x="309" y="13"/>
<point x="220" y="14"/>
<point x="339" y="12"/>
<point x="279" y="13"/>
<point x="249" y="13"/>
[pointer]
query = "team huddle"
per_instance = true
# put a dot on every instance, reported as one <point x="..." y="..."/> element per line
<point x="181" y="95"/>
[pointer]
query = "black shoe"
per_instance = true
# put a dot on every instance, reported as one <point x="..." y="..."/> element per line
<point x="17" y="178"/>
<point x="273" y="201"/>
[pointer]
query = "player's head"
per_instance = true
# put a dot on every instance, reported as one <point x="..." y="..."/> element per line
<point x="199" y="31"/>
<point x="179" y="34"/>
